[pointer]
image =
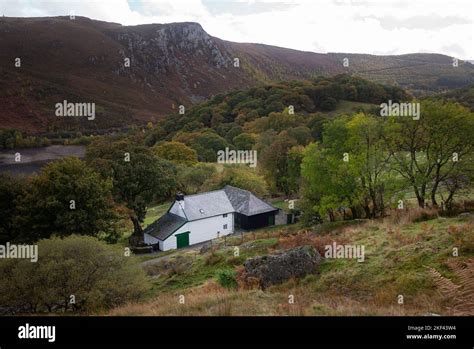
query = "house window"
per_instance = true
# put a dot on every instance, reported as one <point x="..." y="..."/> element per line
<point x="224" y="215"/>
<point x="225" y="226"/>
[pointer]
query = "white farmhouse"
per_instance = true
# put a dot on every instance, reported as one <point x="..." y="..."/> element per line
<point x="192" y="219"/>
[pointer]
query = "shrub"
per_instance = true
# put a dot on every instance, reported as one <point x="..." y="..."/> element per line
<point x="246" y="282"/>
<point x="97" y="275"/>
<point x="213" y="259"/>
<point x="227" y="278"/>
<point x="414" y="215"/>
<point x="423" y="214"/>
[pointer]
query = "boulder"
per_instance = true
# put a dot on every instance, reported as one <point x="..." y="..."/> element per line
<point x="278" y="268"/>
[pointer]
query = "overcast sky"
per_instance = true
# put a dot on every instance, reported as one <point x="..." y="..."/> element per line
<point x="377" y="27"/>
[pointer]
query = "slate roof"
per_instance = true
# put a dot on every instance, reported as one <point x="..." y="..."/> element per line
<point x="164" y="226"/>
<point x="209" y="204"/>
<point x="245" y="202"/>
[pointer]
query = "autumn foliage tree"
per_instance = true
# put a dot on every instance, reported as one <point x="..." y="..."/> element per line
<point x="176" y="152"/>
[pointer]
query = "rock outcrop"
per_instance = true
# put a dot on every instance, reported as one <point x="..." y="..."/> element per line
<point x="275" y="269"/>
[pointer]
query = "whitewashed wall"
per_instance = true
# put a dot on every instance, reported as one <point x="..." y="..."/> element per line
<point x="149" y="240"/>
<point x="201" y="230"/>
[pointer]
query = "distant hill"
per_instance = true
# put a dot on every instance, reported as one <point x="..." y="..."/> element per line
<point x="82" y="60"/>
<point x="464" y="96"/>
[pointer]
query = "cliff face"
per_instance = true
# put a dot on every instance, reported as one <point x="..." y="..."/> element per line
<point x="83" y="60"/>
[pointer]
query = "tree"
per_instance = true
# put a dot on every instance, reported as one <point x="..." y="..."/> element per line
<point x="11" y="190"/>
<point x="138" y="176"/>
<point x="176" y="152"/>
<point x="191" y="178"/>
<point x="238" y="176"/>
<point x="316" y="125"/>
<point x="426" y="151"/>
<point x="274" y="162"/>
<point x="369" y="161"/>
<point x="67" y="197"/>
<point x="244" y="141"/>
<point x="206" y="144"/>
<point x="350" y="168"/>
<point x="76" y="273"/>
<point x="328" y="181"/>
<point x="293" y="173"/>
<point x="154" y="135"/>
<point x="301" y="134"/>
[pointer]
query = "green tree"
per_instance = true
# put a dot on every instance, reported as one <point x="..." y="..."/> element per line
<point x="76" y="273"/>
<point x="67" y="197"/>
<point x="274" y="164"/>
<point x="328" y="181"/>
<point x="191" y="178"/>
<point x="426" y="151"/>
<point x="369" y="161"/>
<point x="293" y="173"/>
<point x="301" y="134"/>
<point x="11" y="190"/>
<point x="238" y="176"/>
<point x="244" y="141"/>
<point x="350" y="168"/>
<point x="138" y="176"/>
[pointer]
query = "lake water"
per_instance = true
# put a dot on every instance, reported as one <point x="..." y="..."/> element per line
<point x="33" y="159"/>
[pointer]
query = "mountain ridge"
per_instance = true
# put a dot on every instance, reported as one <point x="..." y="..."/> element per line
<point x="170" y="65"/>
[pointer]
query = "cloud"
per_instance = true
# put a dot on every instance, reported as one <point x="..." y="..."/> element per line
<point x="428" y="22"/>
<point x="382" y="27"/>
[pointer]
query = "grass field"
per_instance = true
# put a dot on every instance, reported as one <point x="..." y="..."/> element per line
<point x="155" y="212"/>
<point x="397" y="255"/>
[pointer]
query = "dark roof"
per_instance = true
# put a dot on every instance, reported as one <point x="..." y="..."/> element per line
<point x="165" y="226"/>
<point x="246" y="203"/>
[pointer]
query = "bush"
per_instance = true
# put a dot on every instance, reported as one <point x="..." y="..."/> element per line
<point x="423" y="214"/>
<point x="213" y="259"/>
<point x="414" y="215"/>
<point x="77" y="273"/>
<point x="227" y="278"/>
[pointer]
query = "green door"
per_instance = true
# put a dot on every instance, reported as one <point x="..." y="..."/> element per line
<point x="182" y="240"/>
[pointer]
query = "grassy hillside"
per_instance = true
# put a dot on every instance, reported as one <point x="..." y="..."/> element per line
<point x="398" y="252"/>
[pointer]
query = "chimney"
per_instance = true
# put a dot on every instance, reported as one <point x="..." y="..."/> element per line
<point x="180" y="200"/>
